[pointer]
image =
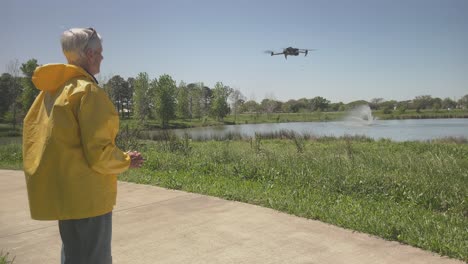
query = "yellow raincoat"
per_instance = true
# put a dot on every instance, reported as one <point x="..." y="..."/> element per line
<point x="69" y="152"/>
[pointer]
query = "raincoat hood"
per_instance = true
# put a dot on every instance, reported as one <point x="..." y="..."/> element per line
<point x="51" y="77"/>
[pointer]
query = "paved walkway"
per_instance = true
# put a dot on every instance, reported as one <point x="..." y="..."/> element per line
<point x="155" y="225"/>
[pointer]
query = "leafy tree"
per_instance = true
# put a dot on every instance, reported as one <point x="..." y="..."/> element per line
<point x="387" y="109"/>
<point x="336" y="106"/>
<point x="448" y="103"/>
<point x="142" y="96"/>
<point x="422" y="102"/>
<point x="250" y="106"/>
<point x="436" y="103"/>
<point x="206" y="98"/>
<point x="319" y="103"/>
<point x="403" y="106"/>
<point x="29" y="89"/>
<point x="302" y="105"/>
<point x="219" y="106"/>
<point x="375" y="103"/>
<point x="183" y="101"/>
<point x="125" y="96"/>
<point x="270" y="105"/>
<point x="237" y="99"/>
<point x="6" y="99"/>
<point x="240" y="105"/>
<point x="165" y="99"/>
<point x="129" y="95"/>
<point x="291" y="106"/>
<point x="388" y="105"/>
<point x="16" y="90"/>
<point x="195" y="101"/>
<point x="119" y="92"/>
<point x="463" y="102"/>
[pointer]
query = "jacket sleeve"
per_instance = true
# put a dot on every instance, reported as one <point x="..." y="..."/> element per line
<point x="99" y="125"/>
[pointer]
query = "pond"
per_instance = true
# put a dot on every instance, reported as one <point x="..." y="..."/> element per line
<point x="396" y="130"/>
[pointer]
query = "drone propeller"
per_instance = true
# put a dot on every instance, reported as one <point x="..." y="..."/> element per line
<point x="269" y="52"/>
<point x="306" y="51"/>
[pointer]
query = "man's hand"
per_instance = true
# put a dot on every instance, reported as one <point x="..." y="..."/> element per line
<point x="136" y="160"/>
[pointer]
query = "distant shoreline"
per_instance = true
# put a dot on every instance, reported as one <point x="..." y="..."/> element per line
<point x="6" y="130"/>
<point x="265" y="118"/>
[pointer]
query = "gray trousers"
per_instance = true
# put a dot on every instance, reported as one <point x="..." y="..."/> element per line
<point x="87" y="240"/>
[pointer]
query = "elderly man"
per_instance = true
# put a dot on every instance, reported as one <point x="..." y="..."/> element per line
<point x="70" y="157"/>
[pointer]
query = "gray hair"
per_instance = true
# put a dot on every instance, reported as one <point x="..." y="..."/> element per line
<point x="76" y="41"/>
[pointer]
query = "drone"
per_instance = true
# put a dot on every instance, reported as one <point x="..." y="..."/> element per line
<point x="290" y="51"/>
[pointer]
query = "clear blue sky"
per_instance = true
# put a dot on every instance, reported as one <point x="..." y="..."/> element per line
<point x="394" y="49"/>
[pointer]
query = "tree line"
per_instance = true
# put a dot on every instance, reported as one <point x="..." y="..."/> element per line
<point x="162" y="99"/>
<point x="17" y="91"/>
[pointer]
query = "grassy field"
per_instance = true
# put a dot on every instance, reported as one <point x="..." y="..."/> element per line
<point x="412" y="192"/>
<point x="11" y="155"/>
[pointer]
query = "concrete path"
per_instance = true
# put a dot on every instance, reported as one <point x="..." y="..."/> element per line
<point x="155" y="225"/>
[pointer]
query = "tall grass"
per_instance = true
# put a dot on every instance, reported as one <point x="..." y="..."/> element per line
<point x="412" y="192"/>
<point x="11" y="153"/>
<point x="5" y="259"/>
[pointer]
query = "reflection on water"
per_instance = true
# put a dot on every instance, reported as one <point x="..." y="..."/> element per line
<point x="397" y="130"/>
